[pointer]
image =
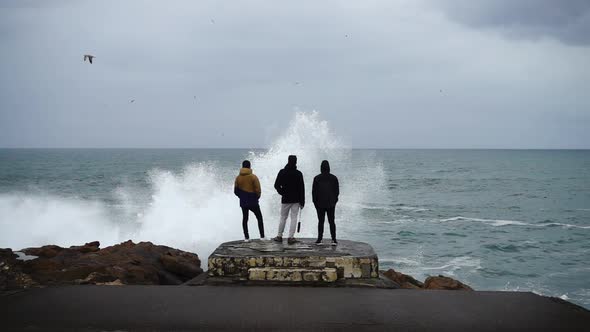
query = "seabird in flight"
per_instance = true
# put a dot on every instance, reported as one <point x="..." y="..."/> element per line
<point x="89" y="57"/>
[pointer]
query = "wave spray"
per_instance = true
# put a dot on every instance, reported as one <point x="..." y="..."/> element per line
<point x="193" y="209"/>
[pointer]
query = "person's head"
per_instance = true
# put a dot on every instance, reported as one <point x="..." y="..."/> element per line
<point x="292" y="160"/>
<point x="246" y="164"/>
<point x="325" y="167"/>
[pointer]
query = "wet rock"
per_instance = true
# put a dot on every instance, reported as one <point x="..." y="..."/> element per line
<point x="97" y="278"/>
<point x="111" y="283"/>
<point x="88" y="247"/>
<point x="127" y="263"/>
<point x="7" y="256"/>
<point x="43" y="270"/>
<point x="45" y="251"/>
<point x="404" y="280"/>
<point x="442" y="282"/>
<point x="180" y="264"/>
<point x="11" y="274"/>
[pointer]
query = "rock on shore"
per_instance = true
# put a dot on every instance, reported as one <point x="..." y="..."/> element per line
<point x="433" y="282"/>
<point x="124" y="264"/>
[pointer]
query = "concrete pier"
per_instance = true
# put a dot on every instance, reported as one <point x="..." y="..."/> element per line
<point x="300" y="263"/>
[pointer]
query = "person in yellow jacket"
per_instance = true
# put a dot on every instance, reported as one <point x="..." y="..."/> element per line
<point x="247" y="188"/>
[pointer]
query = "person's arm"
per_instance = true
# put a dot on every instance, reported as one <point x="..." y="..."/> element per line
<point x="336" y="187"/>
<point x="314" y="193"/>
<point x="257" y="188"/>
<point x="301" y="190"/>
<point x="279" y="183"/>
<point x="236" y="188"/>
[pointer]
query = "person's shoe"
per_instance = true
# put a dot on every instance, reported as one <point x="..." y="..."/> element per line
<point x="278" y="239"/>
<point x="334" y="242"/>
<point x="291" y="240"/>
<point x="263" y="239"/>
<point x="318" y="242"/>
<point x="246" y="240"/>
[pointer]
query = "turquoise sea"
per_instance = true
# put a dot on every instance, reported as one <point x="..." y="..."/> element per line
<point x="494" y="219"/>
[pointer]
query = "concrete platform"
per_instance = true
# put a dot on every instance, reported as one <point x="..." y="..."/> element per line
<point x="303" y="262"/>
<point x="207" y="308"/>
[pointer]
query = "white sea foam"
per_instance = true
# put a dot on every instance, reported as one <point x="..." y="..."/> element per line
<point x="194" y="209"/>
<point x="29" y="220"/>
<point x="493" y="222"/>
<point x="499" y="223"/>
<point x="387" y="207"/>
<point x="562" y="225"/>
<point x="24" y="257"/>
<point x="418" y="267"/>
<point x="458" y="263"/>
<point x="400" y="261"/>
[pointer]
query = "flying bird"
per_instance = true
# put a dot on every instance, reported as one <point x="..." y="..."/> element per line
<point x="89" y="57"/>
<point x="212" y="21"/>
<point x="132" y="100"/>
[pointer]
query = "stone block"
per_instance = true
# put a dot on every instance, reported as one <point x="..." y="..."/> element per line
<point x="257" y="274"/>
<point x="292" y="275"/>
<point x="302" y="262"/>
<point x="311" y="276"/>
<point x="330" y="275"/>
<point x="366" y="270"/>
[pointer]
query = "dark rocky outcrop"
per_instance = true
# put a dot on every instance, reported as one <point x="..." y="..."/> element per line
<point x="127" y="263"/>
<point x="404" y="280"/>
<point x="11" y="274"/>
<point x="442" y="282"/>
<point x="438" y="282"/>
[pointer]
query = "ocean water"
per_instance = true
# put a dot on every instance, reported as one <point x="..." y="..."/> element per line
<point x="494" y="219"/>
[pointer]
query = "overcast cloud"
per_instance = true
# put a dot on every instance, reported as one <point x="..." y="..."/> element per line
<point x="387" y="74"/>
<point x="567" y="21"/>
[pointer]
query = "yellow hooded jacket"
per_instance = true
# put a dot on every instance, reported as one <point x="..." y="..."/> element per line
<point x="247" y="188"/>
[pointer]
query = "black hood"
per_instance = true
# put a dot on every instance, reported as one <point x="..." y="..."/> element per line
<point x="325" y="168"/>
<point x="292" y="162"/>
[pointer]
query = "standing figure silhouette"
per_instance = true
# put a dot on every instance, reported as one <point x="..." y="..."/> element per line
<point x="325" y="191"/>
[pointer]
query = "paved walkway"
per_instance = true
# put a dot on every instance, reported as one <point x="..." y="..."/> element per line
<point x="181" y="308"/>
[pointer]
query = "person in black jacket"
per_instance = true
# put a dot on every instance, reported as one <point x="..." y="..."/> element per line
<point x="325" y="191"/>
<point x="289" y="184"/>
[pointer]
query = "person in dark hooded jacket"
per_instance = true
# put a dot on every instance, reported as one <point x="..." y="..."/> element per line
<point x="247" y="188"/>
<point x="325" y="191"/>
<point x="289" y="184"/>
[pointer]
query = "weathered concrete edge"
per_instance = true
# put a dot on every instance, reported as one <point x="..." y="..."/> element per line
<point x="382" y="282"/>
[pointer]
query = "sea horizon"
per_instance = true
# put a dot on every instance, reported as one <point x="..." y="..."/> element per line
<point x="496" y="219"/>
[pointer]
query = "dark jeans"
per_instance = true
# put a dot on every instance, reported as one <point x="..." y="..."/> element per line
<point x="258" y="214"/>
<point x="322" y="217"/>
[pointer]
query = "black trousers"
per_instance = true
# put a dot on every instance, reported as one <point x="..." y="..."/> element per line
<point x="322" y="218"/>
<point x="258" y="214"/>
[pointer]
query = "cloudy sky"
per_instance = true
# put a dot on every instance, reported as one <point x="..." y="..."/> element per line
<point x="385" y="74"/>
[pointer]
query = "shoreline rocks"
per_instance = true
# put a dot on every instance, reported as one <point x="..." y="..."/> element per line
<point x="126" y="263"/>
<point x="433" y="282"/>
<point x="129" y="263"/>
<point x="442" y="282"/>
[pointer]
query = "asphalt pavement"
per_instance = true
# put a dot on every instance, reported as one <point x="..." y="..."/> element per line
<point x="231" y="308"/>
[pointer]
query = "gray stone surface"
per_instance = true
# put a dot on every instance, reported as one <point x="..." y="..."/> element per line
<point x="183" y="308"/>
<point x="305" y="248"/>
<point x="302" y="262"/>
